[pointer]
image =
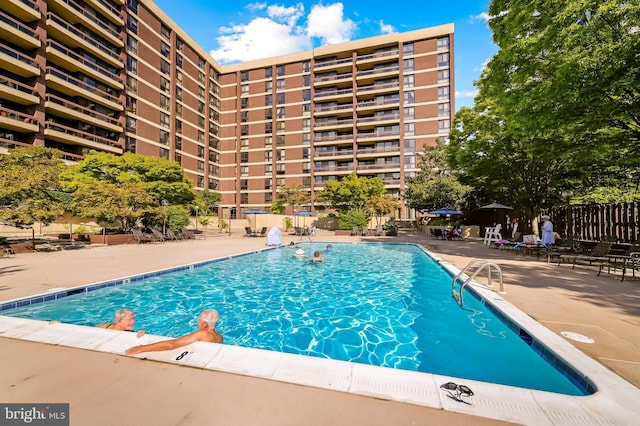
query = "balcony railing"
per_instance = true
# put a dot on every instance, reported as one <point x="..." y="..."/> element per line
<point x="387" y="149"/>
<point x="378" y="102"/>
<point x="334" y="77"/>
<point x="83" y="36"/>
<point x="378" y="55"/>
<point x="14" y="84"/>
<point x="110" y="8"/>
<point x="364" y="136"/>
<point x="80" y="134"/>
<point x="18" y="55"/>
<point x="333" y="108"/>
<point x="91" y="18"/>
<point x="334" y="123"/>
<point x="343" y="61"/>
<point x="92" y="65"/>
<point x="378" y="166"/>
<point x="18" y="25"/>
<point x="81" y="84"/>
<point x="376" y="118"/>
<point x="334" y="138"/>
<point x="381" y="70"/>
<point x="84" y="110"/>
<point x="334" y="93"/>
<point x="16" y="115"/>
<point x="334" y="153"/>
<point x="374" y="87"/>
<point x="334" y="168"/>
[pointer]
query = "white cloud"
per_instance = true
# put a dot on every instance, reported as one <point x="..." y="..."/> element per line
<point x="484" y="17"/>
<point x="283" y="30"/>
<point x="466" y="93"/>
<point x="256" y="40"/>
<point x="329" y="25"/>
<point x="386" y="28"/>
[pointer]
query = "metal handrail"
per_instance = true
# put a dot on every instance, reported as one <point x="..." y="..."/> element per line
<point x="458" y="295"/>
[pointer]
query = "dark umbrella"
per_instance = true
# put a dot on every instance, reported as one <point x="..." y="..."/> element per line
<point x="255" y="212"/>
<point x="445" y="211"/>
<point x="495" y="207"/>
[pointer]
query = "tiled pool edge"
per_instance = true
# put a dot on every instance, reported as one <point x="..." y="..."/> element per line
<point x="612" y="404"/>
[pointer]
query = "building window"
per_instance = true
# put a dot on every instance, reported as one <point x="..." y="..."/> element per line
<point x="244" y="76"/>
<point x="164" y="119"/>
<point x="306" y="167"/>
<point x="178" y="126"/>
<point x="132" y="5"/>
<point x="408" y="65"/>
<point x="268" y="72"/>
<point x="280" y="112"/>
<point x="164" y="85"/>
<point x="268" y="169"/>
<point x="306" y="80"/>
<point x="280" y="154"/>
<point x="200" y="136"/>
<point x="131" y="104"/>
<point x="280" y="126"/>
<point x="178" y="110"/>
<point x="306" y="138"/>
<point x="244" y="143"/>
<point x="410" y="145"/>
<point x="443" y="59"/>
<point x="409" y="97"/>
<point x="280" y="169"/>
<point x="244" y="89"/>
<point x="409" y="80"/>
<point x="132" y="44"/>
<point x="280" y="71"/>
<point x="178" y="60"/>
<point x="443" y="76"/>
<point x="130" y="144"/>
<point x="268" y="182"/>
<point x="132" y="65"/>
<point x="306" y="66"/>
<point x="244" y="116"/>
<point x="244" y="130"/>
<point x="281" y="98"/>
<point x="280" y="140"/>
<point x="407" y="48"/>
<point x="443" y="92"/>
<point x="244" y="184"/>
<point x="443" y="109"/>
<point x="409" y="113"/>
<point x="280" y="181"/>
<point x="200" y="121"/>
<point x="306" y="95"/>
<point x="178" y="158"/>
<point x="164" y="102"/>
<point x="178" y="142"/>
<point x="132" y="24"/>
<point x="268" y="114"/>
<point x="164" y="153"/>
<point x="268" y="141"/>
<point x="165" y="49"/>
<point x="165" y="31"/>
<point x="306" y="109"/>
<point x="200" y="151"/>
<point x="409" y="129"/>
<point x="132" y="84"/>
<point x="164" y="137"/>
<point x="306" y="123"/>
<point x="444" y="125"/>
<point x="268" y="156"/>
<point x="280" y="84"/>
<point x="244" y="170"/>
<point x="244" y="102"/>
<point x="268" y="100"/>
<point x="179" y="44"/>
<point x="132" y="124"/>
<point x="165" y="68"/>
<point x="306" y="153"/>
<point x="443" y="43"/>
<point x="268" y="85"/>
<point x="268" y="127"/>
<point x="179" y="93"/>
<point x="201" y="107"/>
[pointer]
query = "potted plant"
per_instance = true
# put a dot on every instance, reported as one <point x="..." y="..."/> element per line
<point x="390" y="229"/>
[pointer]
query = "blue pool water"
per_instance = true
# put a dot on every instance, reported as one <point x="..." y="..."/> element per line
<point x="379" y="304"/>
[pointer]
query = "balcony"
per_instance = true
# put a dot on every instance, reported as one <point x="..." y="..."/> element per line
<point x="333" y="124"/>
<point x="72" y="37"/>
<point x="334" y="153"/>
<point x="74" y="111"/>
<point x="25" y="10"/>
<point x="384" y="55"/>
<point x="19" y="34"/>
<point x="76" y="14"/>
<point x="380" y="88"/>
<point x="333" y="109"/>
<point x="378" y="136"/>
<point x="71" y="61"/>
<point x="18" y="62"/>
<point x="377" y="73"/>
<point x="58" y="80"/>
<point x="379" y="120"/>
<point x="334" y="94"/>
<point x="332" y="139"/>
<point x="108" y="11"/>
<point x="378" y="104"/>
<point x="344" y="64"/>
<point x="333" y="79"/>
<point x="372" y="152"/>
<point x="379" y="166"/>
<point x="334" y="169"/>
<point x="70" y="136"/>
<point x="17" y="92"/>
<point x="17" y="121"/>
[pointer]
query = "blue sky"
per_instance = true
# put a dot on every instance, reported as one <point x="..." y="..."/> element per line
<point x="234" y="31"/>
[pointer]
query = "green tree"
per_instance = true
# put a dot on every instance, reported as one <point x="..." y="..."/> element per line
<point x="276" y="207"/>
<point x="30" y="188"/>
<point x="348" y="220"/>
<point x="351" y="193"/>
<point x="293" y="195"/>
<point x="207" y="200"/>
<point x="381" y="205"/>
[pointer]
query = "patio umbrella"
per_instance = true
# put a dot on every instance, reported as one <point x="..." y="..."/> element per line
<point x="304" y="214"/>
<point x="255" y="212"/>
<point x="445" y="211"/>
<point x="495" y="207"/>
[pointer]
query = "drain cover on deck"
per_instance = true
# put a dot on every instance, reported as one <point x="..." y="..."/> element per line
<point x="577" y="337"/>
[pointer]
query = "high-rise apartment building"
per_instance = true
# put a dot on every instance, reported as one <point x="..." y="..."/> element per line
<point x="120" y="76"/>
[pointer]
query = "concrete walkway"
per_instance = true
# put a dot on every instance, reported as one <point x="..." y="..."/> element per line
<point x="109" y="389"/>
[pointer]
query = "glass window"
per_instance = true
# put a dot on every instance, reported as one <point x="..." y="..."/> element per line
<point x="280" y="83"/>
<point x="164" y="67"/>
<point x="281" y="98"/>
<point x="443" y="43"/>
<point x="165" y="31"/>
<point x="407" y="48"/>
<point x="409" y="80"/>
<point x="268" y="85"/>
<point x="280" y="71"/>
<point x="165" y="49"/>
<point x="407" y="64"/>
<point x="164" y="84"/>
<point x="132" y="84"/>
<point x="164" y="153"/>
<point x="132" y="5"/>
<point x="268" y="72"/>
<point x="164" y="119"/>
<point x="164" y="137"/>
<point x="409" y="97"/>
<point x="443" y="76"/>
<point x="443" y="59"/>
<point x="443" y="109"/>
<point x="444" y="125"/>
<point x="132" y="44"/>
<point x="132" y="65"/>
<point x="443" y="92"/>
<point x="268" y="100"/>
<point x="132" y="24"/>
<point x="178" y="60"/>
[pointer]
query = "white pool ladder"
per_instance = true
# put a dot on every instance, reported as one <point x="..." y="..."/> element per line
<point x="458" y="294"/>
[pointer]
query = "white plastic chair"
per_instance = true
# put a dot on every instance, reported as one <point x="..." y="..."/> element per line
<point x="492" y="234"/>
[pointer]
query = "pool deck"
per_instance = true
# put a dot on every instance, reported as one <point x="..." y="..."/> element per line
<point x="106" y="388"/>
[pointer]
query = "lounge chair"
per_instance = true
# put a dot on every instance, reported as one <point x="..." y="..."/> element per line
<point x="379" y="231"/>
<point x="140" y="237"/>
<point x="263" y="232"/>
<point x="172" y="235"/>
<point x="355" y="231"/>
<point x="596" y="256"/>
<point x="157" y="235"/>
<point x="249" y="232"/>
<point x="492" y="234"/>
<point x="627" y="260"/>
<point x="365" y="232"/>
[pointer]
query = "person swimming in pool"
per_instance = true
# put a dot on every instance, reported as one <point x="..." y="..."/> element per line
<point x="316" y="257"/>
<point x="329" y="249"/>
<point x="123" y="320"/>
<point x="206" y="332"/>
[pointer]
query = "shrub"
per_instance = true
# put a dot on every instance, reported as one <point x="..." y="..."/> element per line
<point x="353" y="218"/>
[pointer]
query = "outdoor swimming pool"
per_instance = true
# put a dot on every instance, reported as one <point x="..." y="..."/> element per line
<point x="379" y="304"/>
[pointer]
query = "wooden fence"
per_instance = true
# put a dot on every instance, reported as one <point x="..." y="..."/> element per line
<point x="591" y="223"/>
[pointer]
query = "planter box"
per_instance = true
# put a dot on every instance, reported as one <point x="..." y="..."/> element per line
<point x="343" y="232"/>
<point x="22" y="247"/>
<point x="111" y="239"/>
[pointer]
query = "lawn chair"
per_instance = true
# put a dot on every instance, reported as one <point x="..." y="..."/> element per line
<point x="365" y="232"/>
<point x="157" y="235"/>
<point x="597" y="255"/>
<point x="355" y="231"/>
<point x="627" y="260"/>
<point x="140" y="237"/>
<point x="263" y="232"/>
<point x="248" y="232"/>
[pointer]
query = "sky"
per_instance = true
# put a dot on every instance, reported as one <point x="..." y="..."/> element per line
<point x="237" y="31"/>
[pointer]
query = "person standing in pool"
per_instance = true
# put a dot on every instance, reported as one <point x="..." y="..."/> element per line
<point x="316" y="257"/>
<point x="123" y="320"/>
<point x="329" y="249"/>
<point x="206" y="332"/>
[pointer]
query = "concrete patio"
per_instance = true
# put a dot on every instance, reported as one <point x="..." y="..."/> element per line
<point x="107" y="389"/>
